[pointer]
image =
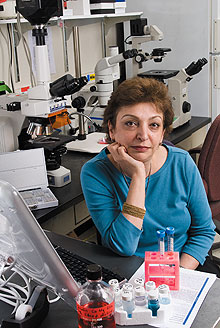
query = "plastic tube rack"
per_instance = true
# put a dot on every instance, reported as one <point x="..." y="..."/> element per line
<point x="163" y="269"/>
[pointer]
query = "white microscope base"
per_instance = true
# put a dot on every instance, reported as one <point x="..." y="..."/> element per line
<point x="59" y="177"/>
<point x="184" y="118"/>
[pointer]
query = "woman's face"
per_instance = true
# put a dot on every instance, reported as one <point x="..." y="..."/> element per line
<point x="140" y="129"/>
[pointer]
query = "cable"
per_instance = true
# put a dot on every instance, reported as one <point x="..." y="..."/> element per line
<point x="92" y="110"/>
<point x="8" y="50"/>
<point x="10" y="59"/>
<point x="54" y="299"/>
<point x="2" y="48"/>
<point x="12" y="293"/>
<point x="80" y="114"/>
<point x="125" y="41"/>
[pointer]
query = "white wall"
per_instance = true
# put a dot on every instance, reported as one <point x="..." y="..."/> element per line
<point x="185" y="25"/>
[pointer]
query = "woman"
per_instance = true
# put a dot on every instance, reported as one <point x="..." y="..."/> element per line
<point x="138" y="185"/>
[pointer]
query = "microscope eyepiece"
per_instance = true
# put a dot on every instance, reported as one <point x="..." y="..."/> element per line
<point x="196" y="67"/>
<point x="67" y="85"/>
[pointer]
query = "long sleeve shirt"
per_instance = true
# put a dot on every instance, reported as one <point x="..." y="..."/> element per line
<point x="175" y="197"/>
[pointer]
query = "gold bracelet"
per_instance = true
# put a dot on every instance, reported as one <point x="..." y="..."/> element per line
<point x="135" y="211"/>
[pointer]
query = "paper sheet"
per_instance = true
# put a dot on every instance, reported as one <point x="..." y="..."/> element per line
<point x="92" y="144"/>
<point x="194" y="286"/>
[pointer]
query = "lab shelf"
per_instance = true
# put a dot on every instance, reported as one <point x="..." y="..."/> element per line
<point x="81" y="20"/>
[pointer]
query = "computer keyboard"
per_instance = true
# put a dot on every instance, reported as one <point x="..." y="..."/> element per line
<point x="77" y="266"/>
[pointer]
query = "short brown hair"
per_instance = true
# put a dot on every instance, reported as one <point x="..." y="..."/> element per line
<point x="139" y="90"/>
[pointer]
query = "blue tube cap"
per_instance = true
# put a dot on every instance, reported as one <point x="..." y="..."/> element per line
<point x="160" y="233"/>
<point x="170" y="230"/>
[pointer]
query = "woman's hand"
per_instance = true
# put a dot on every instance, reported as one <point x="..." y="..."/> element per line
<point x="128" y="165"/>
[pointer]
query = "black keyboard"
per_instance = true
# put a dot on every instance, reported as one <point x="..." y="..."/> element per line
<point x="77" y="266"/>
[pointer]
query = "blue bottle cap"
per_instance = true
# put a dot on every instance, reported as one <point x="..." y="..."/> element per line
<point x="160" y="233"/>
<point x="170" y="230"/>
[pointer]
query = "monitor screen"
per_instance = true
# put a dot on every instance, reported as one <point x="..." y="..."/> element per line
<point x="22" y="238"/>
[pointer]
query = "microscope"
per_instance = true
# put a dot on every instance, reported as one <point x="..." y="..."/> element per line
<point x="141" y="32"/>
<point x="178" y="88"/>
<point x="46" y="101"/>
<point x="90" y="103"/>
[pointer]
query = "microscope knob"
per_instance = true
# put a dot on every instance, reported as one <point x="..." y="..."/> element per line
<point x="93" y="88"/>
<point x="139" y="58"/>
<point x="13" y="106"/>
<point x="186" y="107"/>
<point x="78" y="102"/>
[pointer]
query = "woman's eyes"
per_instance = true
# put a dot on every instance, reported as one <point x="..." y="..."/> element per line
<point x="131" y="123"/>
<point x="153" y="125"/>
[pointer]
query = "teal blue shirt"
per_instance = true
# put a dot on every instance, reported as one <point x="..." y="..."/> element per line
<point x="175" y="197"/>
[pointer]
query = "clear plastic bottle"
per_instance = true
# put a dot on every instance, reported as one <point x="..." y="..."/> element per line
<point x="118" y="300"/>
<point x="140" y="298"/>
<point x="128" y="302"/>
<point x="164" y="294"/>
<point x="95" y="301"/>
<point x="128" y="287"/>
<point x="153" y="302"/>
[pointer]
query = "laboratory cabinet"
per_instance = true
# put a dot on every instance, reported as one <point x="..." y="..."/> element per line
<point x="68" y="220"/>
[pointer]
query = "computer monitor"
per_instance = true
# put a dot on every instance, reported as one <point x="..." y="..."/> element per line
<point x="22" y="238"/>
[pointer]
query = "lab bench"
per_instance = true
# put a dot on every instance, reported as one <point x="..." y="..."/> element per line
<point x="62" y="315"/>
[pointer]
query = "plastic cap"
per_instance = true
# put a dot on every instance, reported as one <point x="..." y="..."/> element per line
<point x="139" y="282"/>
<point x="113" y="283"/>
<point x="163" y="289"/>
<point x="153" y="294"/>
<point x="94" y="272"/>
<point x="160" y="233"/>
<point x="128" y="286"/>
<point x="150" y="285"/>
<point x="139" y="291"/>
<point x="126" y="295"/>
<point x="170" y="230"/>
